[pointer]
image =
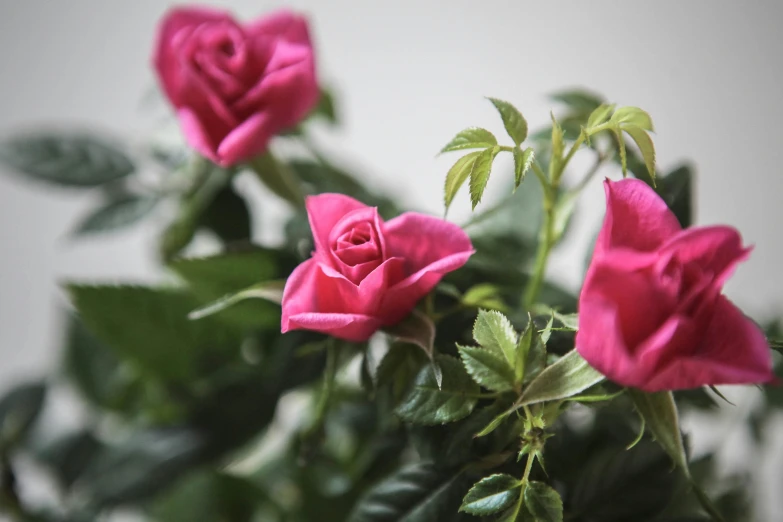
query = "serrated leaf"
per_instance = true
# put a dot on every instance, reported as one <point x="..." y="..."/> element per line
<point x="513" y="121"/>
<point x="116" y="215"/>
<point x="523" y="160"/>
<point x="645" y="144"/>
<point x="633" y="116"/>
<point x="621" y="149"/>
<point x="471" y="138"/>
<point x="570" y="375"/>
<point x="487" y="369"/>
<point x="457" y="176"/>
<point x="493" y="331"/>
<point x="600" y="115"/>
<point x="543" y="502"/>
<point x="417" y="493"/>
<point x="427" y="403"/>
<point x="491" y="495"/>
<point x="66" y="160"/>
<point x="150" y="328"/>
<point x="479" y="174"/>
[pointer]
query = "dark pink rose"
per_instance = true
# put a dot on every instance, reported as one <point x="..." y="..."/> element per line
<point x="366" y="274"/>
<point x="235" y="86"/>
<point x="651" y="312"/>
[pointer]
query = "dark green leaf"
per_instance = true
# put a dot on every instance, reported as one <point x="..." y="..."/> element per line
<point x="326" y="107"/>
<point x="479" y="174"/>
<point x="457" y="176"/>
<point x="228" y="216"/>
<point x="418" y="493"/>
<point x="570" y="375"/>
<point x="399" y="367"/>
<point x="491" y="494"/>
<point x="19" y="409"/>
<point x="416" y="329"/>
<point x="543" y="502"/>
<point x="150" y="328"/>
<point x="427" y="403"/>
<point x="523" y="160"/>
<point x="70" y="455"/>
<point x="279" y="178"/>
<point x="578" y="99"/>
<point x="116" y="215"/>
<point x="677" y="189"/>
<point x="513" y="121"/>
<point x="471" y="138"/>
<point x="493" y="331"/>
<point x="66" y="160"/>
<point x="488" y="369"/>
<point x="209" y="497"/>
<point x="660" y="413"/>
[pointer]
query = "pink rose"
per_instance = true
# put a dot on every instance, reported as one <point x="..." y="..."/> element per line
<point x="651" y="312"/>
<point x="366" y="274"/>
<point x="235" y="86"/>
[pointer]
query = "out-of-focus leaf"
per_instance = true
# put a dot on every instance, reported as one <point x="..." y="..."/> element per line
<point x="228" y="216"/>
<point x="209" y="497"/>
<point x="578" y="99"/>
<point x="19" y="409"/>
<point x="70" y="455"/>
<point x="116" y="215"/>
<point x="279" y="178"/>
<point x="66" y="159"/>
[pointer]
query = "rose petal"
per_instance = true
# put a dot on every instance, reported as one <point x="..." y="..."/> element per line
<point x="636" y="218"/>
<point x="424" y="240"/>
<point x="351" y="327"/>
<point x="337" y="293"/>
<point x="323" y="212"/>
<point x="600" y="342"/>
<point x="300" y="292"/>
<point x="246" y="141"/>
<point x="195" y="134"/>
<point x="281" y="24"/>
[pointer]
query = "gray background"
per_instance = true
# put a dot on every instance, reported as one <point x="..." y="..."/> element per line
<point x="409" y="75"/>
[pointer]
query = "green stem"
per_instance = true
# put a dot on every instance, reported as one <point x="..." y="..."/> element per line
<point x="330" y="374"/>
<point x="545" y="243"/>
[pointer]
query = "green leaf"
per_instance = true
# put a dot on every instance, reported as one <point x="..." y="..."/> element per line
<point x="483" y="295"/>
<point x="228" y="216"/>
<point x="523" y="160"/>
<point x="209" y="496"/>
<point x="488" y="369"/>
<point x="150" y="328"/>
<point x="427" y="403"/>
<point x="660" y="414"/>
<point x="66" y="160"/>
<point x="570" y="375"/>
<point x="493" y="331"/>
<point x="326" y="107"/>
<point x="526" y="342"/>
<point x="116" y="215"/>
<point x="471" y="138"/>
<point x="479" y="174"/>
<point x="677" y="189"/>
<point x="417" y="493"/>
<point x="536" y="355"/>
<point x="418" y="329"/>
<point x="279" y="178"/>
<point x="558" y="145"/>
<point x="513" y="121"/>
<point x="621" y="149"/>
<point x="398" y="369"/>
<point x="543" y="502"/>
<point x="491" y="494"/>
<point x="19" y="409"/>
<point x="69" y="455"/>
<point x="217" y="280"/>
<point x="600" y="115"/>
<point x="578" y="99"/>
<point x="645" y="144"/>
<point x="457" y="176"/>
<point x="633" y="116"/>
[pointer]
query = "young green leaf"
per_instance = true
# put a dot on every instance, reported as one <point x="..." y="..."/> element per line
<point x="621" y="148"/>
<point x="491" y="495"/>
<point x="479" y="174"/>
<point x="457" y="176"/>
<point x="488" y="369"/>
<point x="543" y="502"/>
<point x="570" y="375"/>
<point x="427" y="403"/>
<point x="471" y="138"/>
<point x="645" y="144"/>
<point x="483" y="295"/>
<point x="513" y="121"/>
<point x="66" y="160"/>
<point x="116" y="214"/>
<point x="493" y="331"/>
<point x="633" y="116"/>
<point x="523" y="160"/>
<point x="600" y="115"/>
<point x="558" y="145"/>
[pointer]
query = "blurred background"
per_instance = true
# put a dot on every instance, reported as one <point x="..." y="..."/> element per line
<point x="407" y="76"/>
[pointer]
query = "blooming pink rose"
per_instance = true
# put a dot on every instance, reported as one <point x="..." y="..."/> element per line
<point x="651" y="312"/>
<point x="366" y="274"/>
<point x="235" y="86"/>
